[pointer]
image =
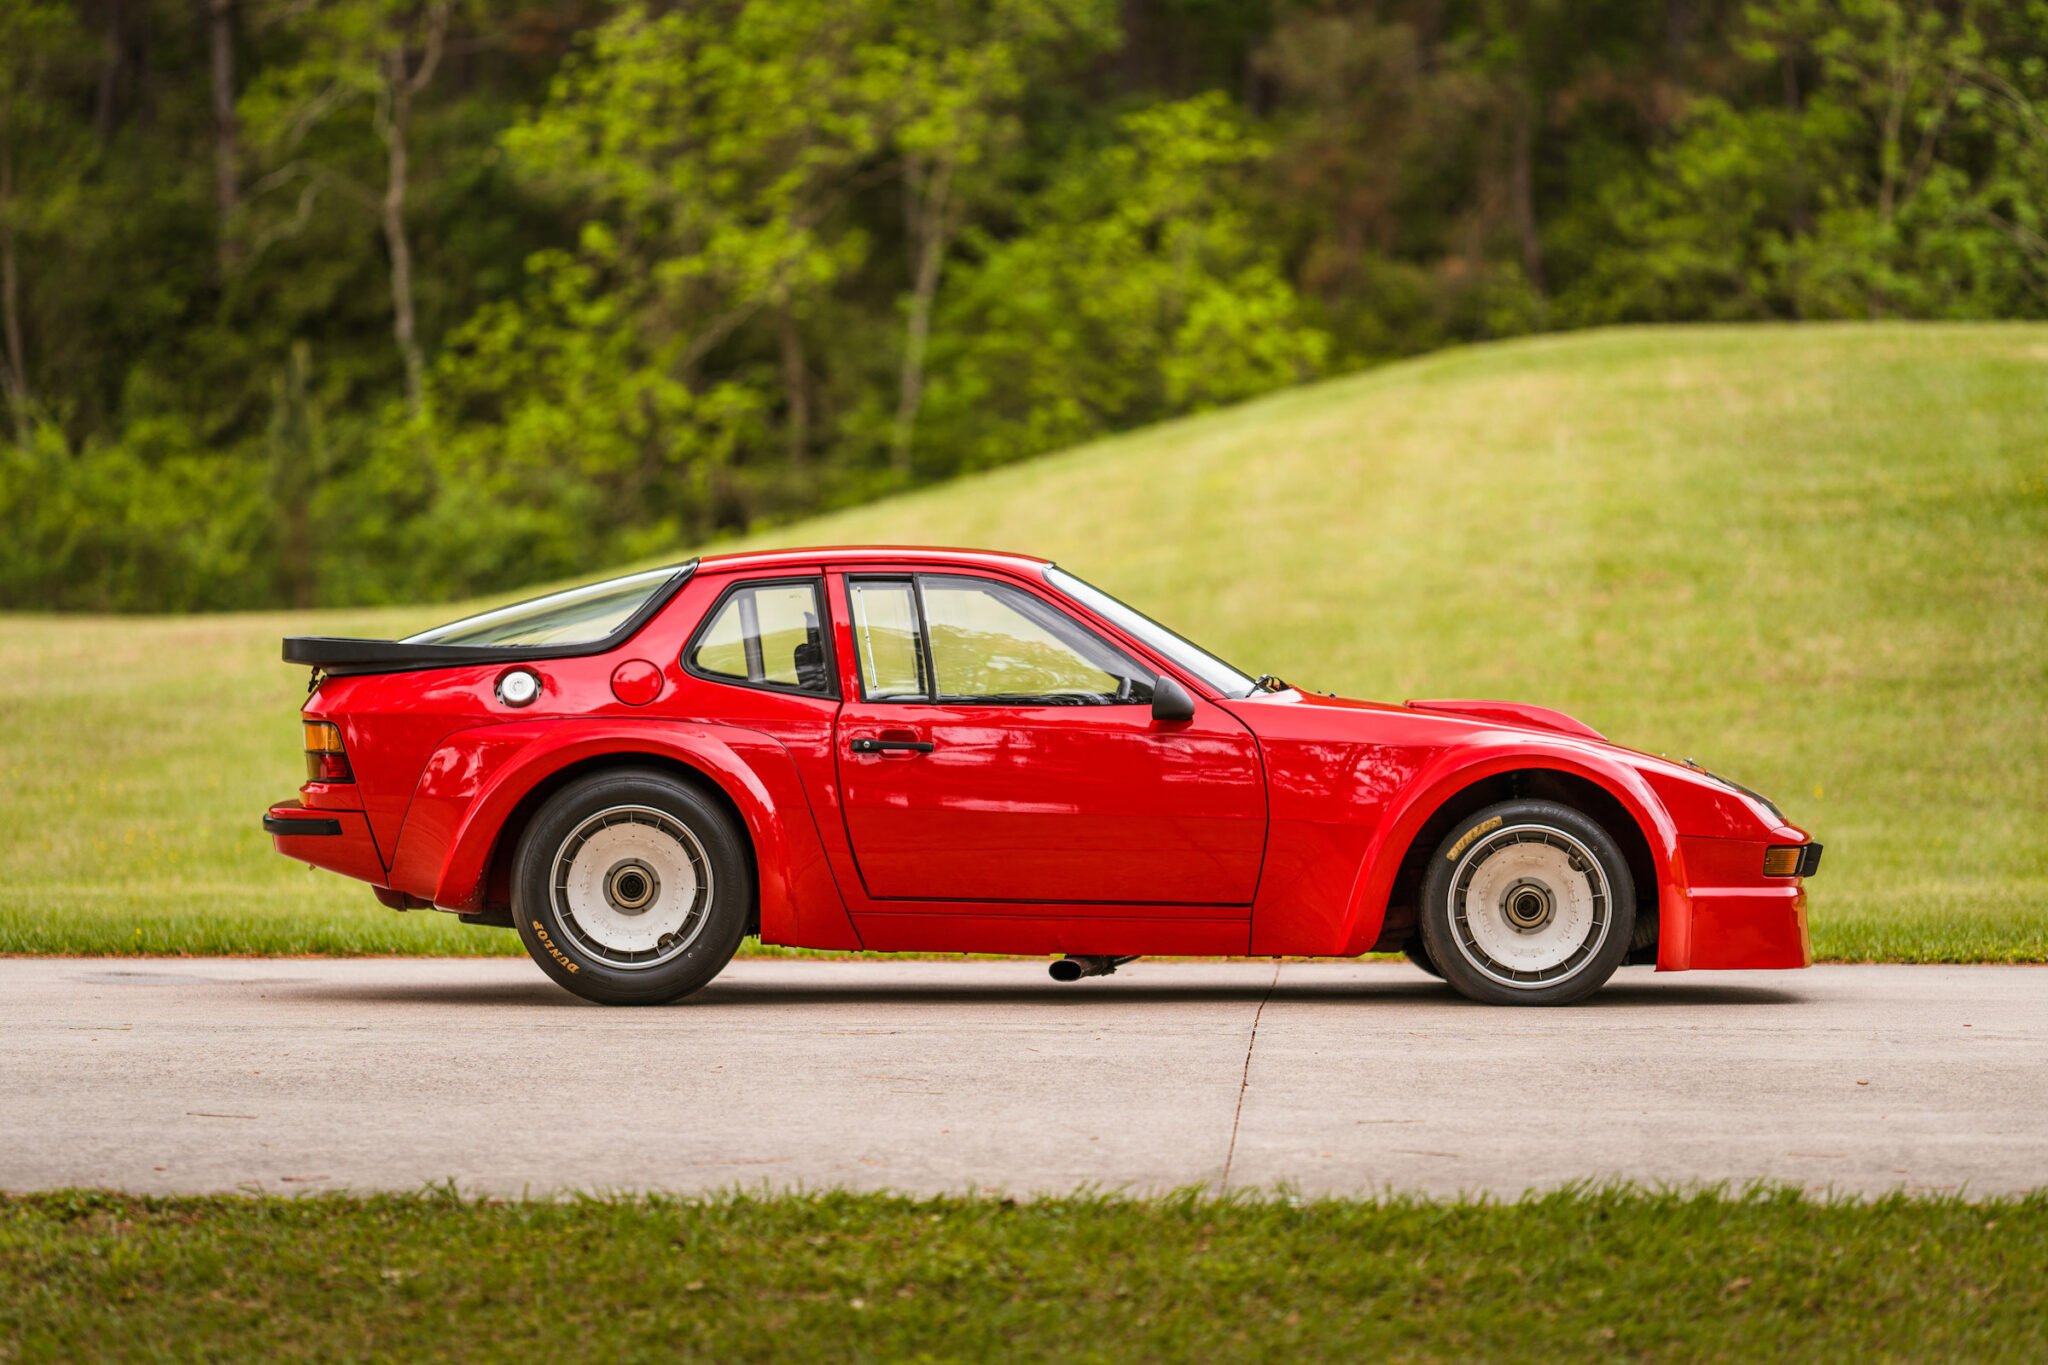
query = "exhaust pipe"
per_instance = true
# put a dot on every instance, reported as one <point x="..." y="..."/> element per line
<point x="1072" y="968"/>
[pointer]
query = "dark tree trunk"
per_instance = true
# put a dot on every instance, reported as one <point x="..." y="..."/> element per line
<point x="10" y="297"/>
<point x="929" y="198"/>
<point x="120" y="89"/>
<point x="796" y="384"/>
<point x="397" y="175"/>
<point x="1522" y="192"/>
<point x="401" y="83"/>
<point x="227" y="151"/>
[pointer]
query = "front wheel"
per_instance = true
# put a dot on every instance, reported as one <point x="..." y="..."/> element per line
<point x="631" y="888"/>
<point x="1528" y="903"/>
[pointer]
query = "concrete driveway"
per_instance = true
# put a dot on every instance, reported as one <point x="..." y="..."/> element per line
<point x="156" y="1075"/>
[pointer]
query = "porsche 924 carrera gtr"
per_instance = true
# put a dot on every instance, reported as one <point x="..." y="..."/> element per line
<point x="891" y="750"/>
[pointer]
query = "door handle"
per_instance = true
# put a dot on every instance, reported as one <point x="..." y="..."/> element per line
<point x="876" y="746"/>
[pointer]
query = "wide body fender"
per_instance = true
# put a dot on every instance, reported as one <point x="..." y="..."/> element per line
<point x="477" y="779"/>
<point x="1488" y="755"/>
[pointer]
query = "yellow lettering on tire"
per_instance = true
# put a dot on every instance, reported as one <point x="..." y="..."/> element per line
<point x="556" y="953"/>
<point x="1458" y="848"/>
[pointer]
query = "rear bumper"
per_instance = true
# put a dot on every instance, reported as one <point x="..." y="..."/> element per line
<point x="338" y="840"/>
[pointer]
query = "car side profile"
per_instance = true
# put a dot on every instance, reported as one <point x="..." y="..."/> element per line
<point x="923" y="750"/>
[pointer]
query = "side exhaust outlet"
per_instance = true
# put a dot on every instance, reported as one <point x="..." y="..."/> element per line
<point x="1074" y="968"/>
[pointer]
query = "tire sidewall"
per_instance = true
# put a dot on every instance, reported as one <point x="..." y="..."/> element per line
<point x="557" y="952"/>
<point x="1440" y="939"/>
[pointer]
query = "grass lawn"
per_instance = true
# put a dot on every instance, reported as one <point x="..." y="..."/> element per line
<point x="1814" y="558"/>
<point x="842" y="1276"/>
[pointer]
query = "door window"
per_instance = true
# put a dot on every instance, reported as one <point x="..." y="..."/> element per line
<point x="765" y="635"/>
<point x="887" y="639"/>
<point x="957" y="639"/>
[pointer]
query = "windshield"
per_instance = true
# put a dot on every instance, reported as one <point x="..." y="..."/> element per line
<point x="576" y="617"/>
<point x="1185" y="653"/>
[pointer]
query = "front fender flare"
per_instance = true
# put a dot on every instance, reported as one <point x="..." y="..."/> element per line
<point x="1488" y="755"/>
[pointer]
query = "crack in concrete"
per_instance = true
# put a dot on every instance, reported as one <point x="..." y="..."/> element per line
<point x="1245" y="1080"/>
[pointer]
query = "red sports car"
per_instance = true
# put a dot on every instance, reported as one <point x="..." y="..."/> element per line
<point x="928" y="750"/>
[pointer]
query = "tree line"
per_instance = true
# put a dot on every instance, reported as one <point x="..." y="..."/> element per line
<point x="324" y="301"/>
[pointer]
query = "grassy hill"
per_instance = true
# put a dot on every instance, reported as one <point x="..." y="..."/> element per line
<point x="1814" y="558"/>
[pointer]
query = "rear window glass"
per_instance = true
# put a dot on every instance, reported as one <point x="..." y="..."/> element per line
<point x="767" y="635"/>
<point x="579" y="616"/>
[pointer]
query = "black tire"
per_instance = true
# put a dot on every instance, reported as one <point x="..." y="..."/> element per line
<point x="1416" y="951"/>
<point x="1527" y="903"/>
<point x="612" y="838"/>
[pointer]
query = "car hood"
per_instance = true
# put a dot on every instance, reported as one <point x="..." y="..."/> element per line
<point x="1477" y="712"/>
<point x="1510" y="713"/>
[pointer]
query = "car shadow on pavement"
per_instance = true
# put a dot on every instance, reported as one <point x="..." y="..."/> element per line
<point x="1688" y="993"/>
<point x="1375" y="995"/>
<point x="731" y="992"/>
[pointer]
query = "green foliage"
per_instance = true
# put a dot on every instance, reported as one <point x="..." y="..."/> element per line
<point x="1905" y="173"/>
<point x="369" y="300"/>
<point x="1138" y="289"/>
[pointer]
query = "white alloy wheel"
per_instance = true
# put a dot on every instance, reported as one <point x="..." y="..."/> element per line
<point x="1530" y="906"/>
<point x="630" y="885"/>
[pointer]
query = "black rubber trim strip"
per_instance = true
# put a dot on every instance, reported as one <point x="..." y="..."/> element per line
<point x="344" y="657"/>
<point x="1809" y="860"/>
<point x="279" y="824"/>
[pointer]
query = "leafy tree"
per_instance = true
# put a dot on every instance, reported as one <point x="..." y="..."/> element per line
<point x="712" y="153"/>
<point x="1138" y="288"/>
<point x="950" y="77"/>
<point x="314" y="301"/>
<point x="1901" y="171"/>
<point x="38" y="39"/>
<point x="353" y="53"/>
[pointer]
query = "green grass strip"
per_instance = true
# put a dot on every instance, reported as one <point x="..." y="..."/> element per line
<point x="1616" y="1271"/>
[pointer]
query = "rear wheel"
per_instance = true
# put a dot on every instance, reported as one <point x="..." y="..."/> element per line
<point x="631" y="888"/>
<point x="1416" y="951"/>
<point x="1527" y="903"/>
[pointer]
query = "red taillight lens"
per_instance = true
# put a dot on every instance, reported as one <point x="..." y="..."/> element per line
<point x="325" y="762"/>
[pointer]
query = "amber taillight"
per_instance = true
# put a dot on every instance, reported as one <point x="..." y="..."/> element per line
<point x="325" y="762"/>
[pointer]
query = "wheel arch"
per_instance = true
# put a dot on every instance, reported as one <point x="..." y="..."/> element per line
<point x="497" y="873"/>
<point x="1615" y="796"/>
<point x="1403" y="904"/>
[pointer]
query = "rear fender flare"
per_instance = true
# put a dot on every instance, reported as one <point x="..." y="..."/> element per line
<point x="771" y="804"/>
<point x="1490" y="755"/>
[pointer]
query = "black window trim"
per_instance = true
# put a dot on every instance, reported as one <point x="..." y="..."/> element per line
<point x="928" y="662"/>
<point x="816" y="583"/>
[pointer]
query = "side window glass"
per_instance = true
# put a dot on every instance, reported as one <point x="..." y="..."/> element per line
<point x="885" y="637"/>
<point x="767" y="635"/>
<point x="990" y="642"/>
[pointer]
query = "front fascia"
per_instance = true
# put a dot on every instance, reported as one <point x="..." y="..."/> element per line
<point x="1741" y="918"/>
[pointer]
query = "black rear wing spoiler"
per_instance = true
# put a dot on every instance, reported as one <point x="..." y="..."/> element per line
<point x="341" y="656"/>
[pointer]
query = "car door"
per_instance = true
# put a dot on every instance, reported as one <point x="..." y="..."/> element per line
<point x="996" y="749"/>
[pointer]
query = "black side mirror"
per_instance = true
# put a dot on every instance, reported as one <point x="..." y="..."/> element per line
<point x="1170" y="701"/>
